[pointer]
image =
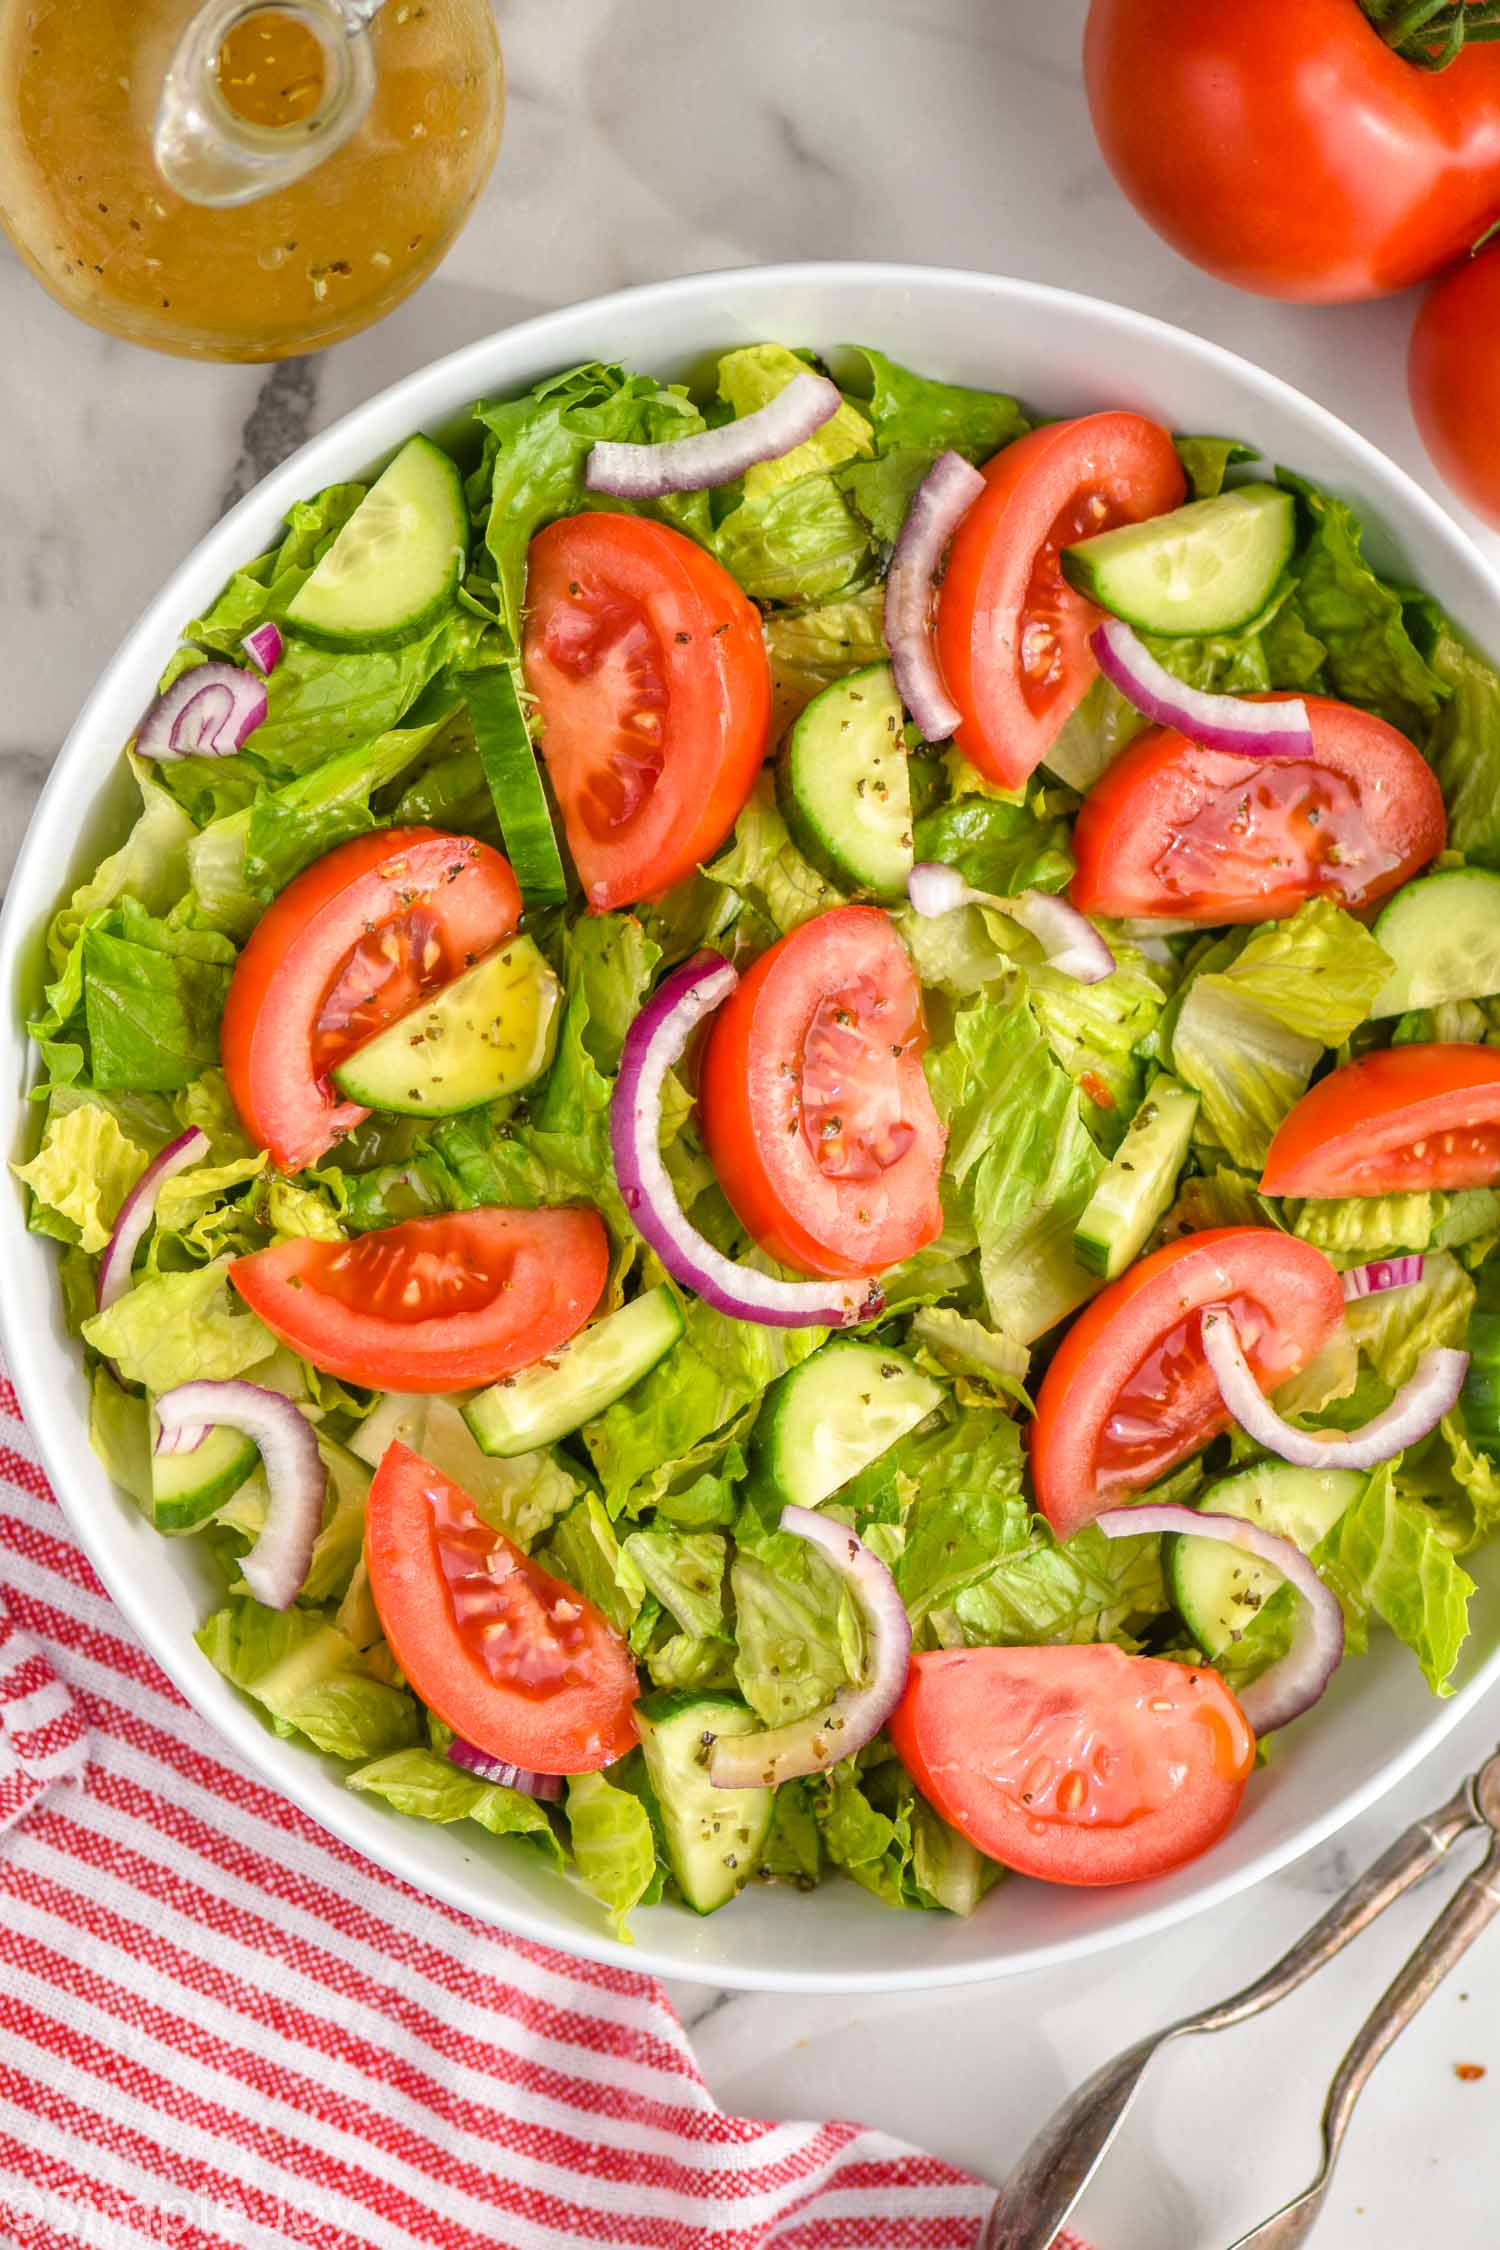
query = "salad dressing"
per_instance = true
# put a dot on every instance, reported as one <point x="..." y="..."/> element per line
<point x="83" y="196"/>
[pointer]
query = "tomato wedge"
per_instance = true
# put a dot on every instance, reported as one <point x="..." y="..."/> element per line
<point x="437" y="1304"/>
<point x="1076" y="1765"/>
<point x="814" y="1104"/>
<point x="1205" y="836"/>
<point x="356" y="940"/>
<point x="1129" y="1393"/>
<point x="651" y="673"/>
<point x="511" y="1658"/>
<point x="1394" y="1123"/>
<point x="1012" y="634"/>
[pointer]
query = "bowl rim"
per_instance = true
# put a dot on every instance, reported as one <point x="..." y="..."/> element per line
<point x="435" y="390"/>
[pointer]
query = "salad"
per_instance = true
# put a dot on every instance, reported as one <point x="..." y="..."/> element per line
<point x="783" y="1128"/>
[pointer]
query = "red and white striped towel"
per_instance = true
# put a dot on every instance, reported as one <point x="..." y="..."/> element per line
<point x="223" y="2027"/>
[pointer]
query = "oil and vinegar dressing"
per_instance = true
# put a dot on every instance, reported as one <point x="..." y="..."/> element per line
<point x="299" y="267"/>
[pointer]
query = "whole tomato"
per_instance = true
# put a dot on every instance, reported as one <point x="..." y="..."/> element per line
<point x="1282" y="145"/>
<point x="1453" y="374"/>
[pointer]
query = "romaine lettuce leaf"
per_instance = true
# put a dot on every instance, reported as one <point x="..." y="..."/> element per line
<point x="535" y="450"/>
<point x="1465" y="749"/>
<point x="800" y="543"/>
<point x="1206" y="460"/>
<point x="1020" y="1159"/>
<point x="1395" y="1326"/>
<point x="152" y="998"/>
<point x="151" y="866"/>
<point x="120" y="1433"/>
<point x="426" y="1787"/>
<point x="614" y="1847"/>
<point x="1375" y="1225"/>
<point x="1386" y="1554"/>
<point x="811" y="648"/>
<point x="1092" y="1589"/>
<point x="749" y="379"/>
<point x="310" y="1679"/>
<point x="81" y="1174"/>
<point x="180" y="1327"/>
<point x="583" y="1549"/>
<point x="792" y="1634"/>
<point x="1371" y="657"/>
<point x="998" y="846"/>
<point x="914" y="411"/>
<point x="685" y="1571"/>
<point x="1248" y="1035"/>
<point x="266" y="587"/>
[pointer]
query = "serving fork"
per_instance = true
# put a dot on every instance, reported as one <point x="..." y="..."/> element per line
<point x="1043" y="2189"/>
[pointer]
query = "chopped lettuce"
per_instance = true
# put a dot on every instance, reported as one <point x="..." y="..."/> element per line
<point x="427" y="1787"/>
<point x="535" y="450"/>
<point x="1207" y="460"/>
<point x="1371" y="657"/>
<point x="1421" y="1219"/>
<point x="310" y="1679"/>
<point x="1395" y="1326"/>
<point x="792" y="1632"/>
<point x="998" y="846"/>
<point x="755" y="374"/>
<point x="811" y="648"/>
<point x="178" y="1328"/>
<point x="1386" y="1554"/>
<point x="1465" y="748"/>
<point x="151" y="867"/>
<point x="1092" y="1589"/>
<point x="81" y="1174"/>
<point x="614" y="1847"/>
<point x="1249" y="1034"/>
<point x="685" y="1571"/>
<point x="1020" y="1159"/>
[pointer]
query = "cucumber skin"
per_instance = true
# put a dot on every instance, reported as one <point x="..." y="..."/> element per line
<point x="1083" y="574"/>
<point x="1101" y="1254"/>
<point x="189" y="1511"/>
<point x="420" y="621"/>
<point x="767" y="1442"/>
<point x="547" y="1433"/>
<point x="809" y="840"/>
<point x="347" y="1075"/>
<point x="494" y="709"/>
<point x="655" y="1715"/>
<point x="1462" y="887"/>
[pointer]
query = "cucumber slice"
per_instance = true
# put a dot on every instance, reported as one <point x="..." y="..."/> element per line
<point x="1138" y="1184"/>
<point x="490" y="1032"/>
<point x="1206" y="568"/>
<point x="714" y="1837"/>
<point x="525" y="1411"/>
<point x="843" y="785"/>
<point x="1481" y="1399"/>
<point x="503" y="741"/>
<point x="398" y="561"/>
<point x="1216" y="1589"/>
<point x="835" y="1414"/>
<point x="1443" y="936"/>
<point x="188" y="1488"/>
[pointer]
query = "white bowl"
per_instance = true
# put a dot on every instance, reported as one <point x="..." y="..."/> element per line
<point x="1065" y="354"/>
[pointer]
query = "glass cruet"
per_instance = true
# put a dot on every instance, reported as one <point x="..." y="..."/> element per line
<point x="229" y="179"/>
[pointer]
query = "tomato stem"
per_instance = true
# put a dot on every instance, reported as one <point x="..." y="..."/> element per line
<point x="1433" y="33"/>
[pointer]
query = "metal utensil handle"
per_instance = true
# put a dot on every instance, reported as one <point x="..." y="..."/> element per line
<point x="1042" y="2190"/>
<point x="1413" y="1855"/>
<point x="1471" y="1909"/>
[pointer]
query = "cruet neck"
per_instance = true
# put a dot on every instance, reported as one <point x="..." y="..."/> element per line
<point x="209" y="154"/>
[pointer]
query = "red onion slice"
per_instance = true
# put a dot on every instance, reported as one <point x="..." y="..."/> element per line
<point x="1220" y="722"/>
<point x="1071" y="943"/>
<point x="938" y="506"/>
<point x="547" y="1788"/>
<point x="1381" y="1273"/>
<point x="137" y="1211"/>
<point x="653" y="1044"/>
<point x="712" y="457"/>
<point x="1413" y="1413"/>
<point x="264" y="647"/>
<point x="279" y="1561"/>
<point x="1296" y="1680"/>
<point x="186" y="1437"/>
<point x="856" y="1712"/>
<point x="209" y="712"/>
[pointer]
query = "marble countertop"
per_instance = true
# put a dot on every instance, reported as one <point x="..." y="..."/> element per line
<point x="650" y="137"/>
